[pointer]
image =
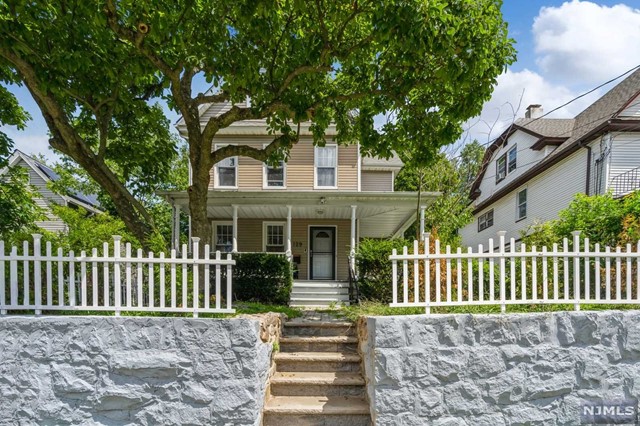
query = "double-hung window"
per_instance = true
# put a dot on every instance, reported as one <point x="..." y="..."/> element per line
<point x="226" y="173"/>
<point x="275" y="175"/>
<point x="485" y="220"/>
<point x="326" y="166"/>
<point x="506" y="164"/>
<point x="274" y="237"/>
<point x="512" y="157"/>
<point x="521" y="204"/>
<point x="223" y="236"/>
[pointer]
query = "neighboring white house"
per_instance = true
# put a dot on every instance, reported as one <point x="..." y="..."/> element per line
<point x="537" y="166"/>
<point x="39" y="176"/>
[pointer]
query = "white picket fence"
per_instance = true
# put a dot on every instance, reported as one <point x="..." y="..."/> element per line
<point x="523" y="275"/>
<point x="111" y="281"/>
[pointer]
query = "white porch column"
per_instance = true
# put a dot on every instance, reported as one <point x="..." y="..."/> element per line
<point x="353" y="230"/>
<point x="422" y="209"/>
<point x="234" y="247"/>
<point x="175" y="228"/>
<point x="288" y="231"/>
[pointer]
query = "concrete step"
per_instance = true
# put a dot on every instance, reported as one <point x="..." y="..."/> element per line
<point x="320" y="284"/>
<point x="318" y="344"/>
<point x="317" y="300"/>
<point x="337" y="328"/>
<point x="317" y="361"/>
<point x="328" y="291"/>
<point x="317" y="383"/>
<point x="316" y="411"/>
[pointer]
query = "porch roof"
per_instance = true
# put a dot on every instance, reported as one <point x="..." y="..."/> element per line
<point x="381" y="214"/>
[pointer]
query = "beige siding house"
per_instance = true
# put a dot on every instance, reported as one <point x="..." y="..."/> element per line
<point x="537" y="166"/>
<point x="314" y="208"/>
<point x="39" y="176"/>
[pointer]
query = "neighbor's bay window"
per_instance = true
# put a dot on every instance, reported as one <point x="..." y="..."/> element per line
<point x="326" y="164"/>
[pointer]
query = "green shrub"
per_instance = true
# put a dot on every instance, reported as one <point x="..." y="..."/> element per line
<point x="374" y="268"/>
<point x="262" y="277"/>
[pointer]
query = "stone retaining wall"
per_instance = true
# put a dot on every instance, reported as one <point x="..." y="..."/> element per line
<point x="135" y="370"/>
<point x="499" y="369"/>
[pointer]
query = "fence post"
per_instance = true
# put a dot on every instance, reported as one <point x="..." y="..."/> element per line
<point x="427" y="272"/>
<point x="37" y="276"/>
<point x="576" y="269"/>
<point x="196" y="289"/>
<point x="394" y="276"/>
<point x="116" y="274"/>
<point x="503" y="306"/>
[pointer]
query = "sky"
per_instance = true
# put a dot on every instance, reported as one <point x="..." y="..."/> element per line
<point x="565" y="48"/>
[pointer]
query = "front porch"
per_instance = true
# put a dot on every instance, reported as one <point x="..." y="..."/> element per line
<point x="317" y="231"/>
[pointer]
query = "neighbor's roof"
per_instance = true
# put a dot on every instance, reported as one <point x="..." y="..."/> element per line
<point x="569" y="134"/>
<point x="46" y="173"/>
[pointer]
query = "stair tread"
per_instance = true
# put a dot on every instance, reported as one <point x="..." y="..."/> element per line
<point x="320" y="285"/>
<point x="319" y="299"/>
<point x="318" y="339"/>
<point x="320" y="324"/>
<point x="318" y="378"/>
<point x="329" y="405"/>
<point x="318" y="356"/>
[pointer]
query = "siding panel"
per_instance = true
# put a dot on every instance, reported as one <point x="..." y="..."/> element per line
<point x="377" y="181"/>
<point x="625" y="154"/>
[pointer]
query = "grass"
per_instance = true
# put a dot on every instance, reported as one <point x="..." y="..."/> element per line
<point x="368" y="308"/>
<point x="248" y="308"/>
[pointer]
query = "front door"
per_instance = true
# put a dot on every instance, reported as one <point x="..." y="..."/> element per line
<point x="322" y="253"/>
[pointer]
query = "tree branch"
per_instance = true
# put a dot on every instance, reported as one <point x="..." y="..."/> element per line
<point x="285" y="141"/>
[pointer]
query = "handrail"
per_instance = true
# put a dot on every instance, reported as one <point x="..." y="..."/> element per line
<point x="354" y="290"/>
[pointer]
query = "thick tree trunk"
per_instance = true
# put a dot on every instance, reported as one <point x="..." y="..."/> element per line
<point x="198" y="191"/>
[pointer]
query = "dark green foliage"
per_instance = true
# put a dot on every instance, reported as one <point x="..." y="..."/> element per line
<point x="601" y="218"/>
<point x="374" y="268"/>
<point x="262" y="277"/>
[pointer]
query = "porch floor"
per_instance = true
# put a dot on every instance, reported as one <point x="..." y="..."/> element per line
<point x="319" y="293"/>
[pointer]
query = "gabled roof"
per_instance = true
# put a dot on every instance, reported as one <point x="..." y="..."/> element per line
<point x="599" y="117"/>
<point x="88" y="201"/>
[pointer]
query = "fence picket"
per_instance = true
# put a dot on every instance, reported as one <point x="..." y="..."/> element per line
<point x="49" y="274"/>
<point x="492" y="278"/>
<point x="597" y="271"/>
<point x="587" y="271"/>
<point x="438" y="283"/>
<point x="416" y="273"/>
<point x="607" y="271"/>
<point x="448" y="252"/>
<point x="576" y="270"/>
<point x="3" y="300"/>
<point x="523" y="272"/>
<point x="629" y="272"/>
<point x="556" y="290"/>
<point x="503" y="306"/>
<point x="618" y="274"/>
<point x="459" y="274"/>
<point x="565" y="268"/>
<point x="427" y="273"/>
<point x="512" y="264"/>
<point x="405" y="277"/>
<point x="37" y="276"/>
<point x="481" y="274"/>
<point x="83" y="279"/>
<point x="27" y="274"/>
<point x="545" y="275"/>
<point x="469" y="276"/>
<point x="534" y="275"/>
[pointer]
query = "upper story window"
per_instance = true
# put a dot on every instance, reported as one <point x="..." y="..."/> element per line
<point x="326" y="165"/>
<point x="226" y="173"/>
<point x="273" y="237"/>
<point x="275" y="176"/>
<point x="506" y="163"/>
<point x="485" y="220"/>
<point x="521" y="204"/>
<point x="223" y="236"/>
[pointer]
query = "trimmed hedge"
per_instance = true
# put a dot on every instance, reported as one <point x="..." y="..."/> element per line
<point x="374" y="268"/>
<point x="262" y="277"/>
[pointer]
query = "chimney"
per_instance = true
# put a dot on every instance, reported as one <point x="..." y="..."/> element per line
<point x="533" y="111"/>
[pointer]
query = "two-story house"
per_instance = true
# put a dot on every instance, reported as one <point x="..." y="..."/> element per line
<point x="537" y="166"/>
<point x="39" y="177"/>
<point x="315" y="207"/>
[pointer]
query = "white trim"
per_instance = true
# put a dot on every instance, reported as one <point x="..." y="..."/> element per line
<point x="393" y="181"/>
<point x="265" y="183"/>
<point x="216" y="184"/>
<point x="335" y="249"/>
<point x="264" y="233"/>
<point x="213" y="231"/>
<point x="315" y="168"/>
<point x="359" y="168"/>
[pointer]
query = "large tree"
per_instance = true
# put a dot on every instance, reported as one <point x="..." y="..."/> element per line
<point x="429" y="65"/>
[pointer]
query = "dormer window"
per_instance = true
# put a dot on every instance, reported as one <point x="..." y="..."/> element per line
<point x="507" y="163"/>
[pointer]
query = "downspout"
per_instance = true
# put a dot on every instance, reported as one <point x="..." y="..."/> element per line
<point x="588" y="183"/>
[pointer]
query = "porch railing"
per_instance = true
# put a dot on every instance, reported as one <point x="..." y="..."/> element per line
<point x="572" y="275"/>
<point x="114" y="280"/>
<point x="626" y="182"/>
